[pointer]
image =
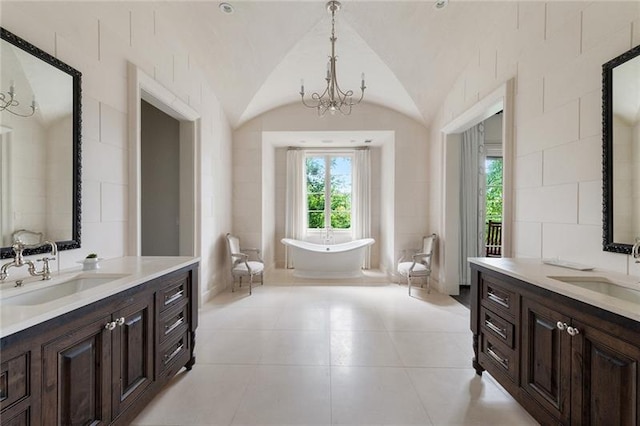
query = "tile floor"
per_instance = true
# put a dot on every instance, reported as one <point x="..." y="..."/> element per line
<point x="358" y="352"/>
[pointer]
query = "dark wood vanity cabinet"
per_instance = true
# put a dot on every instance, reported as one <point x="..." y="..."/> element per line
<point x="565" y="361"/>
<point x="102" y="363"/>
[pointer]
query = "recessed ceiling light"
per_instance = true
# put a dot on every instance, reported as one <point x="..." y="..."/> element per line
<point x="226" y="8"/>
<point x="440" y="4"/>
<point x="367" y="141"/>
<point x="326" y="141"/>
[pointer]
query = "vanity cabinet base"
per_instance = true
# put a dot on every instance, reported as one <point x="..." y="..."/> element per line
<point x="101" y="364"/>
<point x="566" y="362"/>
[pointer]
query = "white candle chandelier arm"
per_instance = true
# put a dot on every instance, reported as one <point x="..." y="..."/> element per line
<point x="332" y="98"/>
<point x="9" y="103"/>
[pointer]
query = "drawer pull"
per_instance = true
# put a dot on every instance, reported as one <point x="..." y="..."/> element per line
<point x="169" y="328"/>
<point x="120" y="321"/>
<point x="498" y="330"/>
<point x="504" y="301"/>
<point x="169" y="357"/>
<point x="573" y="331"/>
<point x="561" y="325"/>
<point x="175" y="297"/>
<point x="502" y="361"/>
<point x="110" y="325"/>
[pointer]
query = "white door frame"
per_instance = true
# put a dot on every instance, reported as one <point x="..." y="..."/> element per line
<point x="500" y="99"/>
<point x="144" y="87"/>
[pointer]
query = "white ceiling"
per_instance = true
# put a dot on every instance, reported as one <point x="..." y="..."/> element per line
<point x="410" y="52"/>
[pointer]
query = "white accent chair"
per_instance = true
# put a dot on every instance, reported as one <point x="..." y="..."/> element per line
<point x="243" y="265"/>
<point x="417" y="263"/>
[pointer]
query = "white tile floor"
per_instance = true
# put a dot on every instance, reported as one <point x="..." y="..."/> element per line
<point x="359" y="352"/>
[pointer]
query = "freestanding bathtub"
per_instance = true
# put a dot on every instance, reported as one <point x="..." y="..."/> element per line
<point x="342" y="260"/>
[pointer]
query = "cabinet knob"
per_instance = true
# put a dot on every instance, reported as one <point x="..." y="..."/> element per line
<point x="561" y="325"/>
<point x="110" y="325"/>
<point x="573" y="331"/>
<point x="120" y="321"/>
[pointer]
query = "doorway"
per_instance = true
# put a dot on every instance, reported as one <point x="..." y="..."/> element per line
<point x="169" y="201"/>
<point x="500" y="100"/>
<point x="160" y="182"/>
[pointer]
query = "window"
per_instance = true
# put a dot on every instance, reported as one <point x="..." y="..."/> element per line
<point x="494" y="189"/>
<point x="328" y="191"/>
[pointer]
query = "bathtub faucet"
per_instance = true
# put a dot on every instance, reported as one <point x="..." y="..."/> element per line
<point x="328" y="236"/>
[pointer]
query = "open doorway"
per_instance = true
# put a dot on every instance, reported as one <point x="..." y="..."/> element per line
<point x="171" y="190"/>
<point x="160" y="182"/>
<point x="455" y="259"/>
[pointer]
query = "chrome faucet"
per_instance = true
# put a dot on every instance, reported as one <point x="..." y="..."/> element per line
<point x="635" y="251"/>
<point x="19" y="261"/>
<point x="328" y="235"/>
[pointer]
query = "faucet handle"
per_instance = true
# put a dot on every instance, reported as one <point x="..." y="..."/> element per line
<point x="18" y="246"/>
<point x="46" y="271"/>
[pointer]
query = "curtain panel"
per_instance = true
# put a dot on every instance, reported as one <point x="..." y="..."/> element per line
<point x="295" y="199"/>
<point x="472" y="199"/>
<point x="361" y="209"/>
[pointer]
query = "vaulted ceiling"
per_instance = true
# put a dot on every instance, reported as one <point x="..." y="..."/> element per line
<point x="411" y="52"/>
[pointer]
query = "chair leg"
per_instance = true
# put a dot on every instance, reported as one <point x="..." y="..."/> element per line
<point x="409" y="284"/>
<point x="250" y="283"/>
<point x="261" y="278"/>
<point x="233" y="284"/>
<point x="428" y="285"/>
<point x="240" y="281"/>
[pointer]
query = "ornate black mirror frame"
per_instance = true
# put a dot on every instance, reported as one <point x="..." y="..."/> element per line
<point x="76" y="76"/>
<point x="607" y="152"/>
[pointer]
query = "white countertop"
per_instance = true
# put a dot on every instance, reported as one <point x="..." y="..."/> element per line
<point x="537" y="273"/>
<point x="137" y="270"/>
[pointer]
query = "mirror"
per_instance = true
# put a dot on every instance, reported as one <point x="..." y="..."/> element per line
<point x="39" y="148"/>
<point x="621" y="151"/>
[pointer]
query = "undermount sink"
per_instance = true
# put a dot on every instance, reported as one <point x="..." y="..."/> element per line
<point x="52" y="291"/>
<point x="602" y="285"/>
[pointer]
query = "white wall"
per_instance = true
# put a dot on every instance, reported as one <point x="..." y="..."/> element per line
<point x="268" y="204"/>
<point x="555" y="51"/>
<point x="99" y="39"/>
<point x="404" y="178"/>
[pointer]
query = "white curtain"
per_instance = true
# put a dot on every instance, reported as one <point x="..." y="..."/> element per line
<point x="296" y="198"/>
<point x="362" y="199"/>
<point x="472" y="199"/>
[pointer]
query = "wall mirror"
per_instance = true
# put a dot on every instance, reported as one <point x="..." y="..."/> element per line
<point x="621" y="151"/>
<point x="39" y="147"/>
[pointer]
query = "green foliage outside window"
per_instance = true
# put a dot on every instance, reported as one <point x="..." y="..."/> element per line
<point x="339" y="192"/>
<point x="494" y="189"/>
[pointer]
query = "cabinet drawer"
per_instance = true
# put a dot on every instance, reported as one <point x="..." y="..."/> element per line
<point x="173" y="292"/>
<point x="493" y="353"/>
<point x="497" y="326"/>
<point x="14" y="380"/>
<point x="497" y="298"/>
<point x="173" y="350"/>
<point x="23" y="418"/>
<point x="173" y="322"/>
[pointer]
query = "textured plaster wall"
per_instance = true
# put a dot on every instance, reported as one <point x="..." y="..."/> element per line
<point x="100" y="39"/>
<point x="555" y="52"/>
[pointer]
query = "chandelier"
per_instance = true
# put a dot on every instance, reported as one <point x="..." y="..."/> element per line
<point x="8" y="101"/>
<point x="332" y="99"/>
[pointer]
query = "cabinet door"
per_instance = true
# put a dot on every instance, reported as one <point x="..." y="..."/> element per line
<point x="606" y="379"/>
<point x="132" y="353"/>
<point x="546" y="358"/>
<point x="77" y="377"/>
